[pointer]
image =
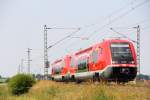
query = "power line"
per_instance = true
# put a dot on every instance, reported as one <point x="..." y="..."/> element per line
<point x="118" y="10"/>
<point x="124" y="36"/>
<point x="146" y="27"/>
<point x="115" y="19"/>
<point x="64" y="28"/>
<point x="77" y="29"/>
<point x="137" y="23"/>
<point x="113" y="13"/>
<point x="102" y="26"/>
<point x="119" y="17"/>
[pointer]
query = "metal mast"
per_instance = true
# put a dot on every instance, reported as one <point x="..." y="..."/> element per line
<point x="46" y="63"/>
<point x="29" y="60"/>
<point x="138" y="48"/>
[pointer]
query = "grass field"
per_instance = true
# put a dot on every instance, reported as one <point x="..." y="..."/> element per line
<point x="48" y="90"/>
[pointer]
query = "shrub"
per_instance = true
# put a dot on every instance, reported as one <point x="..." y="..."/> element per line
<point x="20" y="83"/>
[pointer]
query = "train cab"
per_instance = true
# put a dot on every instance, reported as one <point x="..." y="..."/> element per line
<point x="122" y="65"/>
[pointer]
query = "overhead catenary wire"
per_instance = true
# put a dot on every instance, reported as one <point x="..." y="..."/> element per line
<point x="111" y="14"/>
<point x="116" y="18"/>
<point x="92" y="24"/>
<point x="146" y="27"/>
<point x="124" y="36"/>
<point x="113" y="20"/>
<point x="57" y="42"/>
<point x="146" y="20"/>
<point x="133" y="8"/>
<point x="64" y="28"/>
<point x="119" y="17"/>
<point x="108" y="16"/>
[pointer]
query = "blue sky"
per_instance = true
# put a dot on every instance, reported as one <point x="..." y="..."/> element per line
<point x="21" y="27"/>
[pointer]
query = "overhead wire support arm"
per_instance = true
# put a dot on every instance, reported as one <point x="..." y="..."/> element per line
<point x="120" y="16"/>
<point x="67" y="28"/>
<point x="124" y="36"/>
<point x="77" y="29"/>
<point x="46" y="63"/>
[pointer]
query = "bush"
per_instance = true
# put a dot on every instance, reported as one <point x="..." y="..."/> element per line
<point x="20" y="83"/>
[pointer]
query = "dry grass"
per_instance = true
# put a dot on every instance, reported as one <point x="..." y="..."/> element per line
<point x="48" y="90"/>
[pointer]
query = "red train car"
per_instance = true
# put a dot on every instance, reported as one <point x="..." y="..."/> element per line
<point x="60" y="69"/>
<point x="112" y="60"/>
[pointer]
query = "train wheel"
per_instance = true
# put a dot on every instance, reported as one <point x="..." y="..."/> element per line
<point x="52" y="78"/>
<point x="72" y="78"/>
<point x="63" y="79"/>
<point x="96" y="77"/>
<point x="78" y="81"/>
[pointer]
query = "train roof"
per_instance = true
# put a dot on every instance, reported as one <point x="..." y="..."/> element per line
<point x="84" y="50"/>
<point x="56" y="61"/>
<point x="116" y="40"/>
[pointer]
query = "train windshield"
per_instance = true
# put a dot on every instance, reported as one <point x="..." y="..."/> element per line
<point x="121" y="53"/>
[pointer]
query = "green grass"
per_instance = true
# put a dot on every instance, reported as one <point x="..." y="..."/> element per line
<point x="47" y="90"/>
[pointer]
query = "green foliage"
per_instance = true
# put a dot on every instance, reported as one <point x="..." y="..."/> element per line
<point x="20" y="83"/>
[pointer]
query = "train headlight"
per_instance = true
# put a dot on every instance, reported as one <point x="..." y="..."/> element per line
<point x="132" y="62"/>
<point x="114" y="62"/>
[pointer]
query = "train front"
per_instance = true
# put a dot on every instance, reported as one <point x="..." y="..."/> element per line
<point x="123" y="65"/>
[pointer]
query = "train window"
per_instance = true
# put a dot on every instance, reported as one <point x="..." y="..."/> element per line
<point x="72" y="62"/>
<point x="121" y="53"/>
<point x="82" y="65"/>
<point x="95" y="56"/>
<point x="57" y="69"/>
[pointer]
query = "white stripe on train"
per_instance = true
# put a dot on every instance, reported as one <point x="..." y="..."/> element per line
<point x="84" y="75"/>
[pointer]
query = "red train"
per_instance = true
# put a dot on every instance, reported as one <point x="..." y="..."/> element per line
<point x="111" y="60"/>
